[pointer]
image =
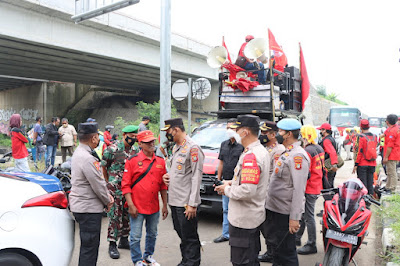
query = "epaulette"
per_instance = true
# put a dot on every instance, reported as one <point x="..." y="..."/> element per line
<point x="132" y="156"/>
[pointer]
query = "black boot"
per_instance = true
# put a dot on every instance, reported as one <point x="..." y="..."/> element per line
<point x="265" y="257"/>
<point x="113" y="251"/>
<point x="307" y="249"/>
<point x="124" y="243"/>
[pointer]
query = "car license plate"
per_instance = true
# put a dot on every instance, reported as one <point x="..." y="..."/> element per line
<point x="202" y="190"/>
<point x="342" y="237"/>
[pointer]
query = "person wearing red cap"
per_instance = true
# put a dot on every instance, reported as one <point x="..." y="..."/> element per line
<point x="141" y="183"/>
<point x="328" y="143"/>
<point x="366" y="157"/>
<point x="391" y="151"/>
<point x="252" y="65"/>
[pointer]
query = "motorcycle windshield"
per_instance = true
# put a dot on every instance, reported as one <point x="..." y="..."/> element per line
<point x="349" y="197"/>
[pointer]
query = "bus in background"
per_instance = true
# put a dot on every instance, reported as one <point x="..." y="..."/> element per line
<point x="343" y="117"/>
<point x="377" y="121"/>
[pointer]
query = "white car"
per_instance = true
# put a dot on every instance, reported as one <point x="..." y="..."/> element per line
<point x="35" y="225"/>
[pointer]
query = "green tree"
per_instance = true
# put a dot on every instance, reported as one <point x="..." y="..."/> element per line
<point x="151" y="110"/>
<point x="321" y="90"/>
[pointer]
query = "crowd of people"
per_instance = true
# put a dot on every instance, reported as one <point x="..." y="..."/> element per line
<point x="272" y="173"/>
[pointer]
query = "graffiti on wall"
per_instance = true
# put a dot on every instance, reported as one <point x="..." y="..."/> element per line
<point x="26" y="114"/>
<point x="5" y="115"/>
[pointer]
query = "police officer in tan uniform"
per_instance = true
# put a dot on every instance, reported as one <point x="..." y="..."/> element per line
<point x="183" y="181"/>
<point x="268" y="136"/>
<point x="246" y="192"/>
<point x="285" y="197"/>
<point x="89" y="194"/>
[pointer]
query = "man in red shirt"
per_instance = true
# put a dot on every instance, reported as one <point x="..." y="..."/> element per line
<point x="329" y="145"/>
<point x="107" y="135"/>
<point x="391" y="151"/>
<point x="364" y="167"/>
<point x="141" y="182"/>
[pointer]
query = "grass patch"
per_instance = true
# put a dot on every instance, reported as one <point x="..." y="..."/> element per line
<point x="5" y="140"/>
<point x="391" y="211"/>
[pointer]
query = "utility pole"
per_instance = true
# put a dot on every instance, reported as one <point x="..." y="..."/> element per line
<point x="165" y="64"/>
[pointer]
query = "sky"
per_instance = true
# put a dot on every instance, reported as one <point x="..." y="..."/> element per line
<point x="351" y="47"/>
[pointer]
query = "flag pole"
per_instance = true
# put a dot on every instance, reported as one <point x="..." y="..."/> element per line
<point x="301" y="83"/>
<point x="271" y="87"/>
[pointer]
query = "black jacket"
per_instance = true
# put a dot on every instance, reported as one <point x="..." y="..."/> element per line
<point x="51" y="135"/>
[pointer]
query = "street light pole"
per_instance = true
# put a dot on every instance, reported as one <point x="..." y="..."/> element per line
<point x="165" y="64"/>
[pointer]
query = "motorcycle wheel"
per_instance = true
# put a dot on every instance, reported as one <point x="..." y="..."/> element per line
<point x="335" y="257"/>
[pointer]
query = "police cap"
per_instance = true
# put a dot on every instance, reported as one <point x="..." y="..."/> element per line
<point x="88" y="128"/>
<point x="289" y="124"/>
<point x="247" y="121"/>
<point x="269" y="125"/>
<point x="130" y="129"/>
<point x="172" y="123"/>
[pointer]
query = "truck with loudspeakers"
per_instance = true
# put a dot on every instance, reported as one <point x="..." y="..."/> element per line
<point x="241" y="93"/>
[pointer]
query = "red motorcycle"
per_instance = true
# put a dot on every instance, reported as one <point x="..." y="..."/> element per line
<point x="345" y="221"/>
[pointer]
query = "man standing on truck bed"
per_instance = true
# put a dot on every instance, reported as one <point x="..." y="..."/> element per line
<point x="228" y="157"/>
<point x="183" y="181"/>
<point x="247" y="191"/>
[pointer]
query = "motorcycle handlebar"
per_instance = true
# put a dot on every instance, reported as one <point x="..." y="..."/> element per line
<point x="370" y="199"/>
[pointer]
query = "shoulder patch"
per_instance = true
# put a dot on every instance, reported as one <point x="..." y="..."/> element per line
<point x="194" y="153"/>
<point x="132" y="156"/>
<point x="97" y="165"/>
<point x="298" y="161"/>
<point x="250" y="170"/>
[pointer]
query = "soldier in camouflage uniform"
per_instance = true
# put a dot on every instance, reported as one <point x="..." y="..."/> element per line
<point x="113" y="162"/>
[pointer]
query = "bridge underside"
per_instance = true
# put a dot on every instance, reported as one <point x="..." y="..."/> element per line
<point x="39" y="61"/>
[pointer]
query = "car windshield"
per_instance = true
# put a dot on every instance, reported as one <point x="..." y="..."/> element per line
<point x="349" y="196"/>
<point x="210" y="136"/>
<point x="344" y="117"/>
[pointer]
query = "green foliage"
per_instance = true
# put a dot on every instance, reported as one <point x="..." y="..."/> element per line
<point x="5" y="140"/>
<point x="391" y="212"/>
<point x="321" y="90"/>
<point x="332" y="97"/>
<point x="151" y="110"/>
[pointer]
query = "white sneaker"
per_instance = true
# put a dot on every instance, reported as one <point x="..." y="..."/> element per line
<point x="140" y="263"/>
<point x="151" y="261"/>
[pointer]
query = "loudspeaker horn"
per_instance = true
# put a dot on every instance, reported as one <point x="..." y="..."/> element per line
<point x="217" y="57"/>
<point x="256" y="49"/>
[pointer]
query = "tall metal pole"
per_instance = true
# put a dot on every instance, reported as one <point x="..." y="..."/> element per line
<point x="165" y="64"/>
<point x="190" y="105"/>
<point x="271" y="85"/>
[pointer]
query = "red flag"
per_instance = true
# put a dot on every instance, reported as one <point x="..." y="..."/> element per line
<point x="305" y="83"/>
<point x="224" y="45"/>
<point x="277" y="52"/>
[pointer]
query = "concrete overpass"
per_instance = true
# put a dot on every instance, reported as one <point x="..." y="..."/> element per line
<point x="38" y="40"/>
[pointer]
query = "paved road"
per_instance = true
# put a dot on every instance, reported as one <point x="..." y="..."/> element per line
<point x="167" y="247"/>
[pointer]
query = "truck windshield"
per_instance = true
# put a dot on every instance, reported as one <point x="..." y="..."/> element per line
<point x="211" y="136"/>
<point x="374" y="122"/>
<point x="344" y="117"/>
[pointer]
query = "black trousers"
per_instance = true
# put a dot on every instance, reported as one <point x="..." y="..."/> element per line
<point x="187" y="232"/>
<point x="245" y="245"/>
<point x="89" y="231"/>
<point x="263" y="229"/>
<point x="331" y="178"/>
<point x="366" y="175"/>
<point x="283" y="242"/>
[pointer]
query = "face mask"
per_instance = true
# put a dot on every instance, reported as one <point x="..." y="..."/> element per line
<point x="170" y="137"/>
<point x="239" y="138"/>
<point x="97" y="145"/>
<point x="130" y="140"/>
<point x="263" y="139"/>
<point x="230" y="133"/>
<point x="279" y="138"/>
<point x="321" y="134"/>
<point x="65" y="125"/>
